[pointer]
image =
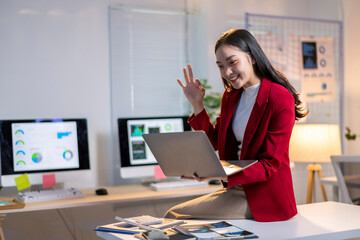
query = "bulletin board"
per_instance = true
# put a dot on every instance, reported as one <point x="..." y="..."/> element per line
<point x="310" y="53"/>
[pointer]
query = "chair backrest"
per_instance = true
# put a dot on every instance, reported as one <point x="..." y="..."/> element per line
<point x="336" y="161"/>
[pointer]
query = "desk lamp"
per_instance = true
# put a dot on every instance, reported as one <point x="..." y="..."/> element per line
<point x="314" y="144"/>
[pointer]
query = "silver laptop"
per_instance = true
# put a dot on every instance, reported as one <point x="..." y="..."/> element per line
<point x="186" y="153"/>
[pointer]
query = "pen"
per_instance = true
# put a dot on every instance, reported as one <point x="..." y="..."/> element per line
<point x="115" y="231"/>
<point x="171" y="224"/>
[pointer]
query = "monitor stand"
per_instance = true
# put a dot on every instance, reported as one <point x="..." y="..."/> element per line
<point x="39" y="187"/>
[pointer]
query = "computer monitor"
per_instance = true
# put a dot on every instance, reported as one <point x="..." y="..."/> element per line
<point x="44" y="146"/>
<point x="136" y="159"/>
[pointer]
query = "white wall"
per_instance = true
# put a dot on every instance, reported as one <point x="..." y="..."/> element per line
<point x="54" y="63"/>
<point x="351" y="71"/>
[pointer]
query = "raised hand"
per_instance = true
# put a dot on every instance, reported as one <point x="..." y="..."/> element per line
<point x="193" y="90"/>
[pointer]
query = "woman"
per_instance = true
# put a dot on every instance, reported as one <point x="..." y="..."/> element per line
<point x="258" y="110"/>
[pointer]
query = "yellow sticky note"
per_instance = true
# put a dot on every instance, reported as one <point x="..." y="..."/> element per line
<point x="22" y="182"/>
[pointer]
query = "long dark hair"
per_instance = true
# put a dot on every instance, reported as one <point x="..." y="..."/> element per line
<point x="246" y="42"/>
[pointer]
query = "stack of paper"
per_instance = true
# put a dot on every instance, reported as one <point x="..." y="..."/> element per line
<point x="143" y="227"/>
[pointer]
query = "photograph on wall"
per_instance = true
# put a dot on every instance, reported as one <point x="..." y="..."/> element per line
<point x="318" y="69"/>
<point x="309" y="55"/>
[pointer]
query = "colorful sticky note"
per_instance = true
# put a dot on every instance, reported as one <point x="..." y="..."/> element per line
<point x="49" y="180"/>
<point x="159" y="173"/>
<point x="22" y="182"/>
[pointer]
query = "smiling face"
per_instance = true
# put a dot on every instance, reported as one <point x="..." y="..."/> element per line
<point x="236" y="66"/>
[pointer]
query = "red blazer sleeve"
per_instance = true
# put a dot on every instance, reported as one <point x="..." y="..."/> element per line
<point x="202" y="122"/>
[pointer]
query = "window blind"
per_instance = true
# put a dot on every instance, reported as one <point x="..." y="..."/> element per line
<point x="147" y="54"/>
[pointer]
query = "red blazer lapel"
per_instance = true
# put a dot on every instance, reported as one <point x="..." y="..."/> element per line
<point x="256" y="114"/>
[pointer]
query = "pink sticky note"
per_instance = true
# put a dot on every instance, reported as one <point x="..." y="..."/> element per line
<point x="159" y="173"/>
<point x="49" y="180"/>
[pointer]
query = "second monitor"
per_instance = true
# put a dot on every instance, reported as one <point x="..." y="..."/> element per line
<point x="136" y="159"/>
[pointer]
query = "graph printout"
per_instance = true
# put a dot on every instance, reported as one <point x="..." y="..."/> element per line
<point x="318" y="69"/>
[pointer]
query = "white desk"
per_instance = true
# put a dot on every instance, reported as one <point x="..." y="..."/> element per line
<point x="117" y="194"/>
<point x="124" y="194"/>
<point x="320" y="221"/>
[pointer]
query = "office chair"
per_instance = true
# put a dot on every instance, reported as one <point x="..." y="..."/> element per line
<point x="344" y="181"/>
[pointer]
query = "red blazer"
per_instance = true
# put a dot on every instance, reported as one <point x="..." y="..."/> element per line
<point x="268" y="183"/>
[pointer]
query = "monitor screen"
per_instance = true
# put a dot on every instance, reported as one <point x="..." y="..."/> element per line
<point x="44" y="146"/>
<point x="136" y="159"/>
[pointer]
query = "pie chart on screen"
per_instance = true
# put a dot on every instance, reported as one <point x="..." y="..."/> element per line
<point x="67" y="154"/>
<point x="36" y="157"/>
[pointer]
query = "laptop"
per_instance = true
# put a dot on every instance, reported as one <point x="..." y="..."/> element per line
<point x="186" y="153"/>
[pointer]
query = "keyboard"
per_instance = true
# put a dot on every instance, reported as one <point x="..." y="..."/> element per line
<point x="171" y="185"/>
<point x="50" y="195"/>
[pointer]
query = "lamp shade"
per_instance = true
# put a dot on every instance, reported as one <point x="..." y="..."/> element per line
<point x="314" y="143"/>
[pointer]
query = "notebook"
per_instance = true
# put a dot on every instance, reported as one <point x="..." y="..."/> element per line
<point x="186" y="153"/>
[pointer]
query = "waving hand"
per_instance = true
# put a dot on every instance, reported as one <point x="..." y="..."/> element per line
<point x="193" y="90"/>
